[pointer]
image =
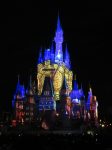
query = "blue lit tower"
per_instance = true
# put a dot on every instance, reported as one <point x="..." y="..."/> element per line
<point x="58" y="40"/>
<point x="52" y="52"/>
<point x="18" y="102"/>
<point x="92" y="106"/>
<point x="67" y="58"/>
<point x="89" y="100"/>
<point x="47" y="54"/>
<point x="40" y="59"/>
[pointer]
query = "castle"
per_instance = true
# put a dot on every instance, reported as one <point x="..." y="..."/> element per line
<point x="55" y="93"/>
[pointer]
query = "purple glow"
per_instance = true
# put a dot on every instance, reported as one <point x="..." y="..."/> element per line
<point x="89" y="99"/>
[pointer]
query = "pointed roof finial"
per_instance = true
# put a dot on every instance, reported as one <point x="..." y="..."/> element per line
<point x="40" y="59"/>
<point x="52" y="46"/>
<point x="75" y="83"/>
<point x="58" y="24"/>
<point x="90" y="89"/>
<point x="66" y="47"/>
<point x="18" y="78"/>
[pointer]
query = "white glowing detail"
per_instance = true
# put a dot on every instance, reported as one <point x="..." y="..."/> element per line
<point x="76" y="100"/>
<point x="59" y="56"/>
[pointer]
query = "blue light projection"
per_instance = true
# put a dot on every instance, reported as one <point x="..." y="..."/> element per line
<point x="40" y="59"/>
<point x="20" y="91"/>
<point x="52" y="53"/>
<point x="67" y="58"/>
<point x="75" y="87"/>
<point x="47" y="105"/>
<point x="58" y="40"/>
<point x="59" y="28"/>
<point x="76" y="92"/>
<point x="47" y="54"/>
<point x="89" y="99"/>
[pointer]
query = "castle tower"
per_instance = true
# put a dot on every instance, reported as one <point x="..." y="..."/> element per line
<point x="54" y="67"/>
<point x="52" y="53"/>
<point x="92" y="106"/>
<point x="30" y="104"/>
<point x="40" y="59"/>
<point x="47" y="101"/>
<point x="58" y="40"/>
<point x="18" y="102"/>
<point x="89" y="100"/>
<point x="67" y="58"/>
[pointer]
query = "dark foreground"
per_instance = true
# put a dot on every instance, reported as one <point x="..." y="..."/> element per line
<point x="45" y="140"/>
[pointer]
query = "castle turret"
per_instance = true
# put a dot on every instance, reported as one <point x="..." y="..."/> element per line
<point x="58" y="40"/>
<point x="52" y="52"/>
<point x="18" y="102"/>
<point x="30" y="104"/>
<point x="75" y="84"/>
<point x="40" y="59"/>
<point x="89" y="100"/>
<point x="67" y="58"/>
<point x="30" y="88"/>
<point x="47" y="54"/>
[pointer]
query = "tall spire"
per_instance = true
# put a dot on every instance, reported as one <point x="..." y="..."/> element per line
<point x="40" y="59"/>
<point x="22" y="91"/>
<point x="58" y="40"/>
<point x="89" y="97"/>
<point x="58" y="24"/>
<point x="82" y="92"/>
<point x="90" y="89"/>
<point x="47" y="54"/>
<point x="52" y="52"/>
<point x="30" y="88"/>
<point x="67" y="57"/>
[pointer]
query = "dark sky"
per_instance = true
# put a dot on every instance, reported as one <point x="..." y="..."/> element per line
<point x="26" y="26"/>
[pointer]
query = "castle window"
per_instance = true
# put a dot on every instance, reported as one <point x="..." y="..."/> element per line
<point x="27" y="114"/>
<point x="31" y="114"/>
<point x="27" y="108"/>
<point x="27" y="119"/>
<point x="46" y="93"/>
<point x="31" y="108"/>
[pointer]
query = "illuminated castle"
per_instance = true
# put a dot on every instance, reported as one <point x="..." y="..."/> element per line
<point x="56" y="92"/>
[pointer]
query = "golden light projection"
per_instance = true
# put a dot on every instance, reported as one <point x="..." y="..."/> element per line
<point x="56" y="72"/>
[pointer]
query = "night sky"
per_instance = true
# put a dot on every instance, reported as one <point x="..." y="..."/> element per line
<point x="25" y="27"/>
